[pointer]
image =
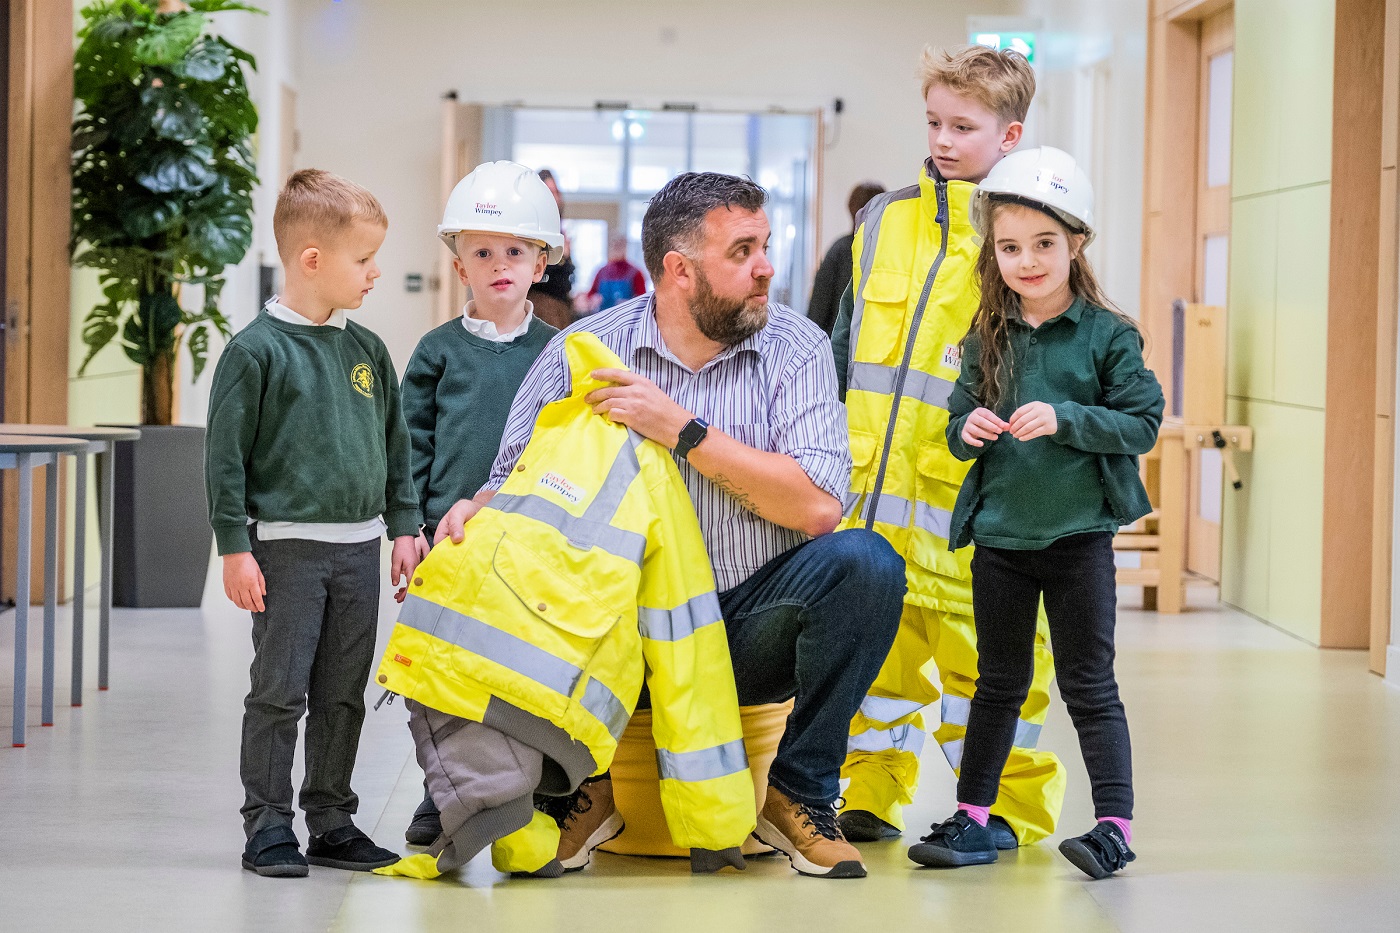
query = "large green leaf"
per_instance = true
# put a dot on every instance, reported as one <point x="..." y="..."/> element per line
<point x="173" y="114"/>
<point x="98" y="330"/>
<point x="198" y="341"/>
<point x="219" y="6"/>
<point x="222" y="241"/>
<point x="165" y="43"/>
<point x="143" y="218"/>
<point x="186" y="171"/>
<point x="207" y="61"/>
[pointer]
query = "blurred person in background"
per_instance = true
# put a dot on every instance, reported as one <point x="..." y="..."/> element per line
<point x="553" y="295"/>
<point x="617" y="281"/>
<point x="834" y="274"/>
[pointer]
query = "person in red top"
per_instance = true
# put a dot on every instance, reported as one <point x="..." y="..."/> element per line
<point x="618" y="280"/>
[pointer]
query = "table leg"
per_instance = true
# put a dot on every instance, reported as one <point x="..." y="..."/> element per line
<point x="50" y="587"/>
<point x="107" y="466"/>
<point x="25" y="517"/>
<point x="79" y="575"/>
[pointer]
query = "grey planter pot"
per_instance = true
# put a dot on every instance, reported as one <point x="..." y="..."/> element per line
<point x="161" y="534"/>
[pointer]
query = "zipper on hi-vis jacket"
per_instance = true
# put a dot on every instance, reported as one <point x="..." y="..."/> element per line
<point x="388" y="695"/>
<point x="941" y="189"/>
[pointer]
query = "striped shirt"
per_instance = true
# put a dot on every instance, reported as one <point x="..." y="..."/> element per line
<point x="775" y="391"/>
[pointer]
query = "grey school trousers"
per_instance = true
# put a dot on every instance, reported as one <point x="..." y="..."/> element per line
<point x="313" y="648"/>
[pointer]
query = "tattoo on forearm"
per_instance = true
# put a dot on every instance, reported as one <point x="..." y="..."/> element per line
<point x="744" y="499"/>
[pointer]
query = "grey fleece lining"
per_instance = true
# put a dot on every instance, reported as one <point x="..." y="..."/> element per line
<point x="567" y="761"/>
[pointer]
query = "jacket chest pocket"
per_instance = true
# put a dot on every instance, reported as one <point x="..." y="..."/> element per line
<point x="549" y="595"/>
<point x="882" y="325"/>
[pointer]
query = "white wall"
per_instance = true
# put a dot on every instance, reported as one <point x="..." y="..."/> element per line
<point x="371" y="76"/>
<point x="1092" y="88"/>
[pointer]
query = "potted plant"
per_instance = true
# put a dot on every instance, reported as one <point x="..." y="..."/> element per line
<point x="163" y="173"/>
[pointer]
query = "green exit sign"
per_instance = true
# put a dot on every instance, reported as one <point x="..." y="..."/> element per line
<point x="1022" y="42"/>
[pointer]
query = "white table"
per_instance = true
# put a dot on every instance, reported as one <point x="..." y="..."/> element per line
<point x="25" y="453"/>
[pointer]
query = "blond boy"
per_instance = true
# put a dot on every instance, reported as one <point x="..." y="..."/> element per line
<point x="306" y="466"/>
<point x="896" y="341"/>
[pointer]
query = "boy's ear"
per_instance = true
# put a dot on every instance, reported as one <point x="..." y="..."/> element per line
<point x="541" y="260"/>
<point x="1012" y="138"/>
<point x="310" y="260"/>
<point x="461" y="271"/>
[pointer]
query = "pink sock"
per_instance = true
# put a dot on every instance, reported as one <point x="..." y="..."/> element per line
<point x="1124" y="825"/>
<point x="980" y="814"/>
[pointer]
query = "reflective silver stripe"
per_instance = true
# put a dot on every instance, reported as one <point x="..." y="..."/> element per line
<point x="881" y="379"/>
<point x="680" y="622"/>
<point x="583" y="533"/>
<point x="491" y="643"/>
<point x="605" y="707"/>
<point x="870" y="218"/>
<point x="904" y="738"/>
<point x="953" y="752"/>
<point x="933" y="519"/>
<point x="1027" y="734"/>
<point x="624" y="469"/>
<point x="956" y="710"/>
<point x="704" y="764"/>
<point x="889" y="709"/>
<point x="848" y="503"/>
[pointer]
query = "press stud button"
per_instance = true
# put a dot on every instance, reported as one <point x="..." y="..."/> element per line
<point x="417" y="581"/>
<point x="383" y="679"/>
<point x="541" y="607"/>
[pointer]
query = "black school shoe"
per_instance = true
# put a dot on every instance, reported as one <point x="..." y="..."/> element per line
<point x="275" y="853"/>
<point x="957" y="841"/>
<point x="1099" y="852"/>
<point x="348" y="848"/>
<point x="426" y="825"/>
<point x="864" y="826"/>
<point x="1003" y="836"/>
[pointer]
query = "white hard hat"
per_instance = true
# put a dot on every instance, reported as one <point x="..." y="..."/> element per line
<point x="505" y="198"/>
<point x="1044" y="178"/>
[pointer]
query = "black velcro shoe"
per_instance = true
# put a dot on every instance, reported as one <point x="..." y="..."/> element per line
<point x="426" y="825"/>
<point x="275" y="853"/>
<point x="1003" y="836"/>
<point x="864" y="826"/>
<point x="957" y="841"/>
<point x="1099" y="852"/>
<point x="348" y="848"/>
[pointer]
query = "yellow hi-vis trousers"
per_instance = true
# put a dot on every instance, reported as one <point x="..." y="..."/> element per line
<point x="887" y="734"/>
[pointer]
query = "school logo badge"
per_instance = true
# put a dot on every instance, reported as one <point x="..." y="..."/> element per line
<point x="362" y="378"/>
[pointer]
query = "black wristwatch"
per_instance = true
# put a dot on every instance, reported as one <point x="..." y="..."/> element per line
<point x="695" y="431"/>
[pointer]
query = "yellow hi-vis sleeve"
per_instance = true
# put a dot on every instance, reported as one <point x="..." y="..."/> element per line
<point x="529" y="848"/>
<point x="706" y="788"/>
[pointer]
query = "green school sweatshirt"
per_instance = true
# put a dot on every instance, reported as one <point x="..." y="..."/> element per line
<point x="305" y="426"/>
<point x="1025" y="495"/>
<point x="457" y="392"/>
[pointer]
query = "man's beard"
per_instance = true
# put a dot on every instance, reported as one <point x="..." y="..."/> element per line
<point x="726" y="321"/>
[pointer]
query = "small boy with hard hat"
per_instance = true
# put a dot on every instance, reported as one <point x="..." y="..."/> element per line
<point x="502" y="225"/>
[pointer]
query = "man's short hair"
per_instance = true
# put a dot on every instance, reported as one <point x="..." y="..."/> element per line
<point x="675" y="218"/>
<point x="1002" y="81"/>
<point x="316" y="203"/>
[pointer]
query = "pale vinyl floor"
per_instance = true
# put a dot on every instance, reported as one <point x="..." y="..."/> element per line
<point x="1267" y="775"/>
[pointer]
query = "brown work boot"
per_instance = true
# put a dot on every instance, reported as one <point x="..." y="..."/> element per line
<point x="587" y="819"/>
<point x="808" y="836"/>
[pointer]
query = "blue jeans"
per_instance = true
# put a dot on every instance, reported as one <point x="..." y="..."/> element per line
<point x="815" y="623"/>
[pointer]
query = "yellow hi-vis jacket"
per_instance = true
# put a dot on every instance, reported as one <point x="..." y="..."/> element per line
<point x="586" y="573"/>
<point x="915" y="292"/>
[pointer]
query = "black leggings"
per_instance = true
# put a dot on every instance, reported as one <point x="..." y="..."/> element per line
<point x="1076" y="576"/>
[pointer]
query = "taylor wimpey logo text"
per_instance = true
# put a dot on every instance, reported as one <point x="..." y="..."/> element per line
<point x="491" y="210"/>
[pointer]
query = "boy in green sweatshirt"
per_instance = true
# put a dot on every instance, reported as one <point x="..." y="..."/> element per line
<point x="306" y="466"/>
<point x="502" y="225"/>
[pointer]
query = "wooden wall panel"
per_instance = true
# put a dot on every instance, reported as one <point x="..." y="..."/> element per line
<point x="37" y="221"/>
<point x="1354" y="262"/>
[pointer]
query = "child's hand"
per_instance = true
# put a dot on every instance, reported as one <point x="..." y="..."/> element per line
<point x="423" y="546"/>
<point x="403" y="563"/>
<point x="1032" y="420"/>
<point x="982" y="425"/>
<point x="243" y="581"/>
